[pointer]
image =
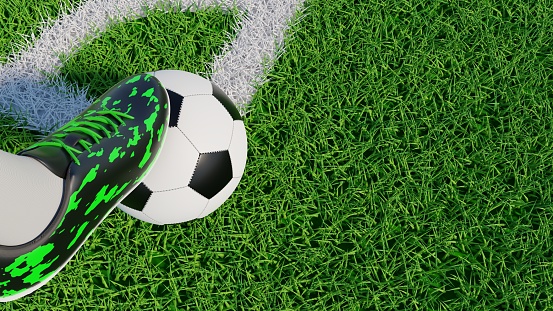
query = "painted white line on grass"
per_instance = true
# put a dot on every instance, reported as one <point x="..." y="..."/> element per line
<point x="260" y="33"/>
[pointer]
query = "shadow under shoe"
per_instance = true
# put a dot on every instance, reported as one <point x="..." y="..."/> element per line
<point x="102" y="155"/>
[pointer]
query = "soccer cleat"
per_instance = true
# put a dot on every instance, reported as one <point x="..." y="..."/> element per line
<point x="100" y="156"/>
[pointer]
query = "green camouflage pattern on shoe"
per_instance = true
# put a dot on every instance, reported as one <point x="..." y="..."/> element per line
<point x="102" y="154"/>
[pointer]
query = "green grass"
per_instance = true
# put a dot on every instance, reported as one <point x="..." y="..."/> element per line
<point x="22" y="19"/>
<point x="183" y="41"/>
<point x="399" y="159"/>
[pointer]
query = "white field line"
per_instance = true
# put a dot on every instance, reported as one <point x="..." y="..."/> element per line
<point x="241" y="67"/>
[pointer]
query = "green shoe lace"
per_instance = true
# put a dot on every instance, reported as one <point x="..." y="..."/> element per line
<point x="80" y="125"/>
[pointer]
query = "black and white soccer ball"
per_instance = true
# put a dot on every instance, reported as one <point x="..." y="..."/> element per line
<point x="203" y="157"/>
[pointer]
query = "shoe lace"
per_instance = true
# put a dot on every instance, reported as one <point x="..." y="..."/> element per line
<point x="84" y="126"/>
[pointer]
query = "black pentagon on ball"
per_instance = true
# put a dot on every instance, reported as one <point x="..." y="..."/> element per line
<point x="138" y="197"/>
<point x="225" y="100"/>
<point x="175" y="100"/>
<point x="213" y="172"/>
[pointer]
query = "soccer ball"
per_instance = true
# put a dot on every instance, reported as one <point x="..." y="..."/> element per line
<point x="203" y="157"/>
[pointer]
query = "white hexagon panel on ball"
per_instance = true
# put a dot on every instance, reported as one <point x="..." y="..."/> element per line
<point x="203" y="157"/>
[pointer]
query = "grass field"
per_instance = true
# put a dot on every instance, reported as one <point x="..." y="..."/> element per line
<point x="400" y="158"/>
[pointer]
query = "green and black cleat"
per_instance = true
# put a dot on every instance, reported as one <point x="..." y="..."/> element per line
<point x="99" y="157"/>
